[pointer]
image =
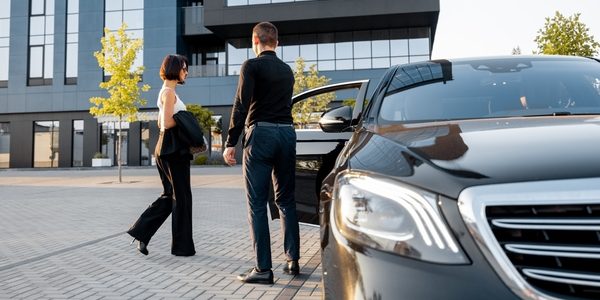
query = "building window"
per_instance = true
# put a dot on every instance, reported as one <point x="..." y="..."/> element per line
<point x="4" y="145"/>
<point x="130" y="12"/>
<point x="343" y="50"/>
<point x="109" y="140"/>
<point x="77" y="151"/>
<point x="207" y="62"/>
<point x="256" y="2"/>
<point x="236" y="57"/>
<point x="146" y="158"/>
<point x="45" y="140"/>
<point x="72" y="42"/>
<point x="216" y="135"/>
<point x="194" y="3"/>
<point x="4" y="42"/>
<point x="41" y="42"/>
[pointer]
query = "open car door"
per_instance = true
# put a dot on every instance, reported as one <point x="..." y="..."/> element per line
<point x="316" y="150"/>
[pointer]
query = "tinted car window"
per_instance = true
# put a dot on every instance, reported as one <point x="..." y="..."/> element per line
<point x="491" y="88"/>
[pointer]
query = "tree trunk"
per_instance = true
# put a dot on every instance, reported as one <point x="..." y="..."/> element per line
<point x="209" y="143"/>
<point x="119" y="150"/>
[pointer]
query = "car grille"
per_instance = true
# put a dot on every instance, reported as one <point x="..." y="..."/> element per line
<point x="555" y="248"/>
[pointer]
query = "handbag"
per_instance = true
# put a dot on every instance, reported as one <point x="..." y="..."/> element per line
<point x="200" y="149"/>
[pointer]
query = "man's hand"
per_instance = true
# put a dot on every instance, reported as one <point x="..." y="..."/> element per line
<point x="229" y="156"/>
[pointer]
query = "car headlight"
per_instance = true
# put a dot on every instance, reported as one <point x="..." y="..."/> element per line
<point x="387" y="215"/>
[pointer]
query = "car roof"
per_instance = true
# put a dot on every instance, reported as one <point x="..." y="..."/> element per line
<point x="521" y="57"/>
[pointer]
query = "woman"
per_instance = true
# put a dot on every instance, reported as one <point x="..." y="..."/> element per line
<point x="174" y="171"/>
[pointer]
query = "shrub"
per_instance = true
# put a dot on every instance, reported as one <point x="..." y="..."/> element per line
<point x="216" y="160"/>
<point x="100" y="155"/>
<point x="200" y="160"/>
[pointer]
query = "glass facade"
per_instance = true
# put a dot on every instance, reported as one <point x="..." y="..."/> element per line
<point x="72" y="42"/>
<point x="4" y="145"/>
<point x="130" y="12"/>
<point x="4" y="41"/>
<point x="77" y="144"/>
<point x="216" y="135"/>
<point x="343" y="50"/>
<point x="207" y="61"/>
<point x="256" y="2"/>
<point x="109" y="140"/>
<point x="145" y="157"/>
<point x="45" y="144"/>
<point x="194" y="3"/>
<point x="41" y="42"/>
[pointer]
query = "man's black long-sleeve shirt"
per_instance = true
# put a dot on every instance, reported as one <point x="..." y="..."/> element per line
<point x="264" y="94"/>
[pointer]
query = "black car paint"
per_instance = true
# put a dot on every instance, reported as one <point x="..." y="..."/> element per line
<point x="447" y="157"/>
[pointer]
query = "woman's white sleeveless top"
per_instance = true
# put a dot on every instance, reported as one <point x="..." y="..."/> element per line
<point x="179" y="105"/>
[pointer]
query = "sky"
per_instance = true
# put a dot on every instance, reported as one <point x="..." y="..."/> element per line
<point x="469" y="28"/>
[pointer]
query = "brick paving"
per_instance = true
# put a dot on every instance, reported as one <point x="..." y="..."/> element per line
<point x="62" y="236"/>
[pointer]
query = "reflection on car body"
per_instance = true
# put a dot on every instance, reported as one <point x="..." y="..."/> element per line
<point x="461" y="179"/>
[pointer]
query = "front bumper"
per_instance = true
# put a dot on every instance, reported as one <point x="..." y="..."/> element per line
<point x="352" y="271"/>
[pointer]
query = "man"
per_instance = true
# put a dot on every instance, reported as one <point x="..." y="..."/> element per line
<point x="263" y="107"/>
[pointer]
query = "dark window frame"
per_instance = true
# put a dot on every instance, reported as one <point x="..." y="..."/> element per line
<point x="70" y="80"/>
<point x="73" y="131"/>
<point x="38" y="81"/>
<point x="31" y="14"/>
<point x="4" y="82"/>
<point x="105" y="77"/>
<point x="33" y="141"/>
<point x="8" y="125"/>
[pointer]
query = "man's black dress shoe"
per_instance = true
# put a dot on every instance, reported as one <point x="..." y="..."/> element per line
<point x="254" y="276"/>
<point x="292" y="267"/>
<point x="141" y="246"/>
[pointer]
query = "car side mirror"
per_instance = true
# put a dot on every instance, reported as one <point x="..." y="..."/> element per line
<point x="337" y="119"/>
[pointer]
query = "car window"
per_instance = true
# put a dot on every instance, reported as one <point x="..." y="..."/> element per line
<point x="307" y="112"/>
<point x="492" y="88"/>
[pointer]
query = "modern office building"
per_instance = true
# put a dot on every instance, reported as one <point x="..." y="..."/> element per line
<point x="48" y="71"/>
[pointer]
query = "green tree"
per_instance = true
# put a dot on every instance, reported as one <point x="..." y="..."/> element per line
<point x="204" y="117"/>
<point x="349" y="102"/>
<point x="303" y="111"/>
<point x="566" y="36"/>
<point x="116" y="58"/>
<point x="516" y="51"/>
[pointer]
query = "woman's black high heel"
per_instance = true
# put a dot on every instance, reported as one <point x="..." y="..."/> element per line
<point x="141" y="246"/>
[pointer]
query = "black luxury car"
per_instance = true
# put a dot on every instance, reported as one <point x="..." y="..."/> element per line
<point x="459" y="179"/>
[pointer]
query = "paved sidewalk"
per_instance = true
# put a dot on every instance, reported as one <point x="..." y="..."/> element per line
<point x="62" y="235"/>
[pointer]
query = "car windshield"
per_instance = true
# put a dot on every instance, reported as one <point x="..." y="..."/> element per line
<point x="493" y="88"/>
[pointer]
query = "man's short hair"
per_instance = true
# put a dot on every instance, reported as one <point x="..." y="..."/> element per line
<point x="266" y="33"/>
<point x="172" y="65"/>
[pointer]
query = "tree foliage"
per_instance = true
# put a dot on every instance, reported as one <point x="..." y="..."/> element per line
<point x="349" y="102"/>
<point x="303" y="111"/>
<point x="516" y="51"/>
<point x="566" y="36"/>
<point x="116" y="58"/>
<point x="203" y="115"/>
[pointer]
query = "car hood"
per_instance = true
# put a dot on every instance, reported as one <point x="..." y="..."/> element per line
<point x="447" y="157"/>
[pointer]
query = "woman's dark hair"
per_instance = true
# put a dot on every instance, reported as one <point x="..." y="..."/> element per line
<point x="172" y="65"/>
